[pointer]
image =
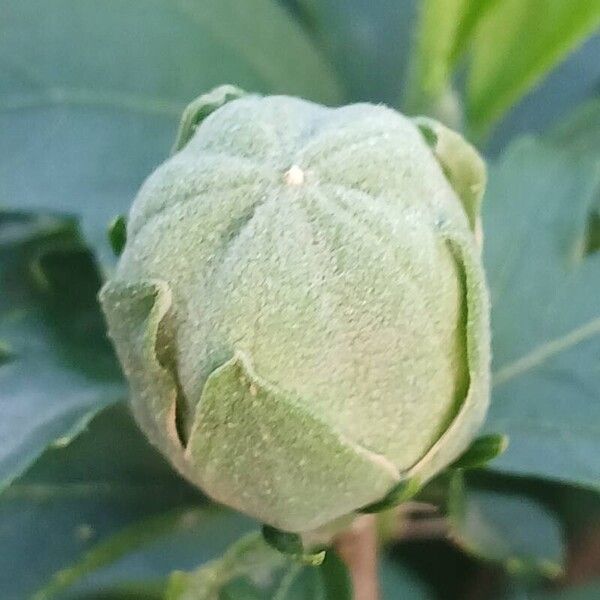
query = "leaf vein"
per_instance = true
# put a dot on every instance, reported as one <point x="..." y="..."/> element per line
<point x="542" y="353"/>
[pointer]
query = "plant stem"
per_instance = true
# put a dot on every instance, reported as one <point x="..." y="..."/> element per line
<point x="357" y="547"/>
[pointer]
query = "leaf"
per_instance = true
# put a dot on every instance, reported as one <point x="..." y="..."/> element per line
<point x="91" y="91"/>
<point x="75" y="497"/>
<point x="248" y="556"/>
<point x="482" y="451"/>
<point x="400" y="493"/>
<point x="590" y="591"/>
<point x="369" y="46"/>
<point x="581" y="132"/>
<point x="567" y="87"/>
<point x="545" y="310"/>
<point x="58" y="369"/>
<point x="282" y="541"/>
<point x="397" y="581"/>
<point x="433" y="52"/>
<point x="251" y="569"/>
<point x="503" y="525"/>
<point x="117" y="234"/>
<point x="125" y="542"/>
<point x="473" y="12"/>
<point x="439" y="43"/>
<point x="515" y="45"/>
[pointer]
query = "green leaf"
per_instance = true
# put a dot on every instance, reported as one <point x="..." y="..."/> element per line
<point x="368" y="44"/>
<point x="581" y="132"/>
<point x="250" y="556"/>
<point x="91" y="91"/>
<point x="471" y="15"/>
<point x="503" y="525"/>
<point x="282" y="541"/>
<point x="290" y="544"/>
<point x="545" y="310"/>
<point x="334" y="574"/>
<point x="398" y="582"/>
<point x="401" y="492"/>
<point x="481" y="451"/>
<point x="58" y="369"/>
<point x="117" y="234"/>
<point x="573" y="82"/>
<point x="590" y="591"/>
<point x="125" y="542"/>
<point x="515" y="45"/>
<point x="75" y="497"/>
<point x="251" y="569"/>
<point x="432" y="60"/>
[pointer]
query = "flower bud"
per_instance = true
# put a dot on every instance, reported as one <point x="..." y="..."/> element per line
<point x="300" y="307"/>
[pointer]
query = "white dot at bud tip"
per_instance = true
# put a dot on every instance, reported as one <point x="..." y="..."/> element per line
<point x="294" y="176"/>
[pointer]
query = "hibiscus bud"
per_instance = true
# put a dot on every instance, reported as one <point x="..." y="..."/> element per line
<point x="300" y="306"/>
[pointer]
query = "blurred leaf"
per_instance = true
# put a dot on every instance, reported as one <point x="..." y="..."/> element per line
<point x="58" y="370"/>
<point x="247" y="557"/>
<point x="334" y="574"/>
<point x="91" y="91"/>
<point x="590" y="591"/>
<point x="432" y="60"/>
<point x="136" y="592"/>
<point x="473" y="12"/>
<point x="75" y="497"/>
<point x="203" y="536"/>
<point x="369" y="44"/>
<point x="482" y="451"/>
<point x="398" y="582"/>
<point x="400" y="493"/>
<point x="501" y="524"/>
<point x="124" y="542"/>
<point x="117" y="234"/>
<point x="581" y="132"/>
<point x="569" y="85"/>
<point x="434" y="569"/>
<point x="515" y="45"/>
<point x="251" y="569"/>
<point x="283" y="541"/>
<point x="545" y="310"/>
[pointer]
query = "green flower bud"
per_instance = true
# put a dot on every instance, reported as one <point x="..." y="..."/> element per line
<point x="300" y="306"/>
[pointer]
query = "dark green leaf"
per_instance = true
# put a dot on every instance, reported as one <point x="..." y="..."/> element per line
<point x="91" y="91"/>
<point x="368" y="44"/>
<point x="337" y="584"/>
<point x="117" y="234"/>
<point x="251" y="570"/>
<point x="291" y="545"/>
<point x="397" y="582"/>
<point x="433" y="569"/>
<point x="248" y="557"/>
<point x="545" y="310"/>
<point x="76" y="497"/>
<point x="126" y="542"/>
<point x="504" y="525"/>
<point x="283" y="541"/>
<point x="591" y="591"/>
<point x="58" y="368"/>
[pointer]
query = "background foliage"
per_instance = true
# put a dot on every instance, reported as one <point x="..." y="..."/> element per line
<point x="90" y="95"/>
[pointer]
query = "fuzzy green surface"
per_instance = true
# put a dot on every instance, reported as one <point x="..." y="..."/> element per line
<point x="301" y="286"/>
